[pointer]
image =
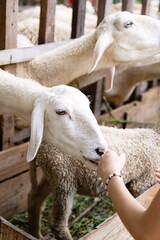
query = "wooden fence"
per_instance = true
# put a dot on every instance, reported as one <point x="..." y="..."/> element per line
<point x="14" y="175"/>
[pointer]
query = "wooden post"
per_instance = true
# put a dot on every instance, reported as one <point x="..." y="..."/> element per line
<point x="104" y="9"/>
<point x="47" y="21"/>
<point x="78" y="18"/>
<point x="128" y="5"/>
<point x="146" y="5"/>
<point x="8" y="39"/>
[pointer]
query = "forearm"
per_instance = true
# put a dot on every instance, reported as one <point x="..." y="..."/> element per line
<point x="129" y="209"/>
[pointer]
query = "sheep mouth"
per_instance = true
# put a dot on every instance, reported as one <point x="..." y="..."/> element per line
<point x="91" y="160"/>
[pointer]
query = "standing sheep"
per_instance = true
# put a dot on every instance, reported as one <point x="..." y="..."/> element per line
<point x="65" y="176"/>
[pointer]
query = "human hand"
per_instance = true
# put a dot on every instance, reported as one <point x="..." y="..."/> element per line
<point x="158" y="175"/>
<point x="110" y="162"/>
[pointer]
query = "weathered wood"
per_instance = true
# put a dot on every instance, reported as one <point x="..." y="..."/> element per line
<point x="21" y="135"/>
<point x="13" y="161"/>
<point x="78" y="18"/>
<point x="139" y="111"/>
<point x="146" y="109"/>
<point x="6" y="131"/>
<point x="113" y="228"/>
<point x="146" y="5"/>
<point x="8" y="23"/>
<point x="47" y="21"/>
<point x="128" y="5"/>
<point x="14" y="191"/>
<point x="104" y="9"/>
<point x="11" y="56"/>
<point x="117" y="113"/>
<point x="10" y="232"/>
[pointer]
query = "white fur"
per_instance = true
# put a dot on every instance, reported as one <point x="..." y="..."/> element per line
<point x="39" y="104"/>
<point x="142" y="150"/>
<point x="113" y="44"/>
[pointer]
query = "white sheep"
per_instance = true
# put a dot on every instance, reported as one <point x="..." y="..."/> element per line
<point x="59" y="114"/>
<point x="122" y="38"/>
<point x="65" y="176"/>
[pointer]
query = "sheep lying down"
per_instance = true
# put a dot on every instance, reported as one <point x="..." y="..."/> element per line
<point x="66" y="175"/>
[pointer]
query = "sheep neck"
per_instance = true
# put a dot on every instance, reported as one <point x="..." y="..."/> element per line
<point x="17" y="96"/>
<point x="71" y="60"/>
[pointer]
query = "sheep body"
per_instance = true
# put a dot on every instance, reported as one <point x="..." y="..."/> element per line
<point x="67" y="176"/>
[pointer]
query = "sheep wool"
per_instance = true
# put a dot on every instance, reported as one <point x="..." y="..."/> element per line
<point x="67" y="176"/>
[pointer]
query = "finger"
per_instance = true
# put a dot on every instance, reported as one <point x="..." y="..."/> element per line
<point x="158" y="175"/>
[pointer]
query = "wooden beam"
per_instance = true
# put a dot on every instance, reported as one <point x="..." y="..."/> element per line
<point x="128" y="5"/>
<point x="13" y="161"/>
<point x="113" y="228"/>
<point x="47" y="21"/>
<point x="78" y="18"/>
<point x="14" y="191"/>
<point x="18" y="55"/>
<point x="104" y="9"/>
<point x="6" y="131"/>
<point x="146" y="5"/>
<point x="9" y="231"/>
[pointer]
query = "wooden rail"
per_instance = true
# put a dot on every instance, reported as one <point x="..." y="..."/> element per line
<point x="113" y="228"/>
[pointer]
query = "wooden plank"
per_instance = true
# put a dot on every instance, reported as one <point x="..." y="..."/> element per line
<point x="146" y="110"/>
<point x="21" y="135"/>
<point x="117" y="113"/>
<point x="78" y="18"/>
<point x="47" y="21"/>
<point x="14" y="192"/>
<point x="8" y="23"/>
<point x="13" y="161"/>
<point x="128" y="5"/>
<point x="113" y="228"/>
<point x="27" y="54"/>
<point x="139" y="111"/>
<point x="146" y="5"/>
<point x="6" y="131"/>
<point x="10" y="232"/>
<point x="104" y="9"/>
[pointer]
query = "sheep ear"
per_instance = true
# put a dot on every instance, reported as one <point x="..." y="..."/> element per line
<point x="110" y="72"/>
<point x="37" y="125"/>
<point x="102" y="44"/>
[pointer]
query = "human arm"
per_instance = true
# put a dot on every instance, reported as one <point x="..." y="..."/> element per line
<point x="141" y="223"/>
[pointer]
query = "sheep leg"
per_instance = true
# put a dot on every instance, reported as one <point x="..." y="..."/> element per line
<point x="58" y="219"/>
<point x="35" y="202"/>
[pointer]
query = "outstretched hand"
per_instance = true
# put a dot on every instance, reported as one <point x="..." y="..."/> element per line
<point x="110" y="162"/>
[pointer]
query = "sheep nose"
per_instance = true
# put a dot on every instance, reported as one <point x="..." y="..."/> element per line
<point x="100" y="151"/>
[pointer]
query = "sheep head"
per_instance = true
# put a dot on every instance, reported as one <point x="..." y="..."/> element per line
<point x="125" y="38"/>
<point x="63" y="117"/>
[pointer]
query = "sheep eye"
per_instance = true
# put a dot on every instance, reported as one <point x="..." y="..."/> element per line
<point x="128" y="24"/>
<point x="61" y="112"/>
